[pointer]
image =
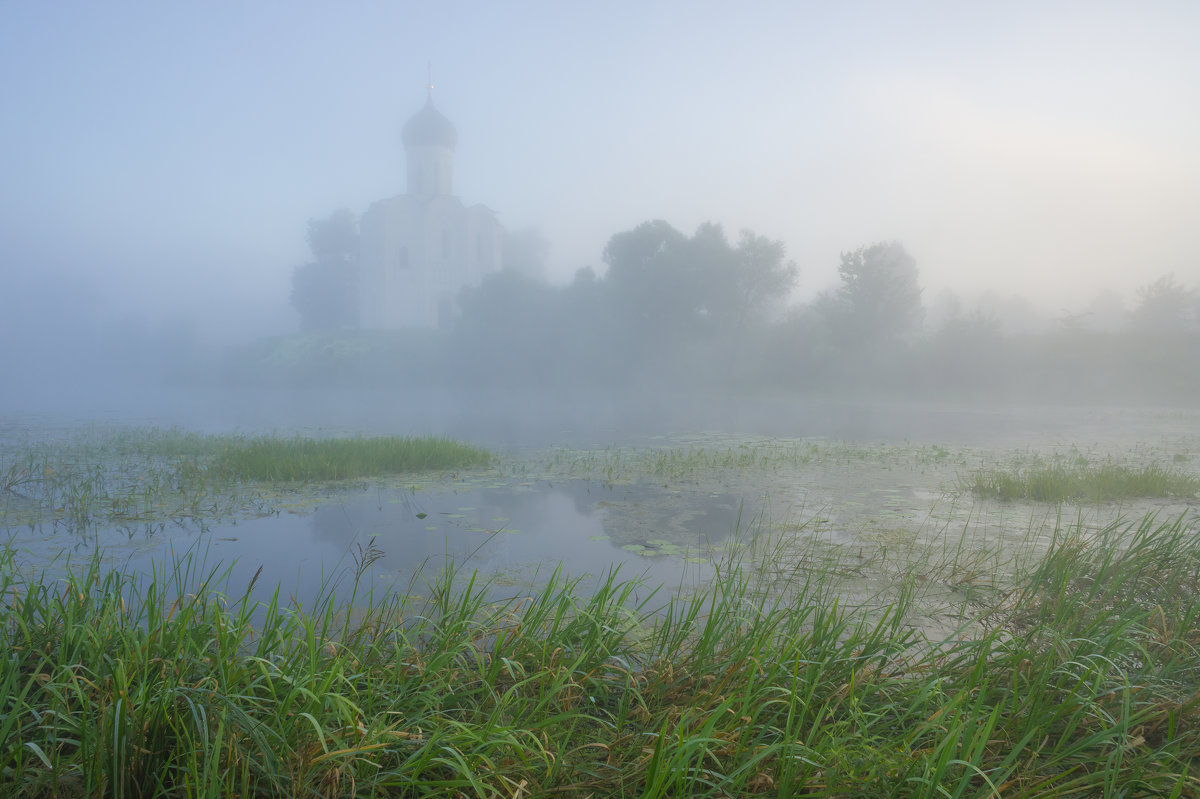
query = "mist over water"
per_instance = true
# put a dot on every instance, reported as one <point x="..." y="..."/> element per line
<point x="659" y="398"/>
<point x="976" y="233"/>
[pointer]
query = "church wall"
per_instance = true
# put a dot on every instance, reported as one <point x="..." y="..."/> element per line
<point x="485" y="241"/>
<point x="416" y="256"/>
<point x="418" y="250"/>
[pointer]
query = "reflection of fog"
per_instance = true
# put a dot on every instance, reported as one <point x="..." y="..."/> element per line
<point x="510" y="532"/>
<point x="492" y="527"/>
<point x="515" y="533"/>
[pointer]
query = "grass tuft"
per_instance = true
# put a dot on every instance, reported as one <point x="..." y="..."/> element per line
<point x="1108" y="482"/>
<point x="146" y="476"/>
<point x="271" y="458"/>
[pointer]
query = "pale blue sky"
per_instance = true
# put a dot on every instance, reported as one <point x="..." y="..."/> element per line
<point x="167" y="156"/>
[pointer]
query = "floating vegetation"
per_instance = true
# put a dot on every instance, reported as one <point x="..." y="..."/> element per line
<point x="718" y="454"/>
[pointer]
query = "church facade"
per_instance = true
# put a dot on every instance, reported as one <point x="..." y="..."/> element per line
<point x="419" y="249"/>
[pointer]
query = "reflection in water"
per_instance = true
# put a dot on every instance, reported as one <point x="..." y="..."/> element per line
<point x="890" y="494"/>
<point x="515" y="536"/>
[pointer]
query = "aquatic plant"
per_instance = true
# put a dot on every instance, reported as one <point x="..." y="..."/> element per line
<point x="102" y="476"/>
<point x="1080" y="482"/>
<point x="694" y="457"/>
<point x="303" y="458"/>
<point x="1078" y="679"/>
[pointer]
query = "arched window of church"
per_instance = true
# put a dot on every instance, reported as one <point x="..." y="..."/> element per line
<point x="445" y="244"/>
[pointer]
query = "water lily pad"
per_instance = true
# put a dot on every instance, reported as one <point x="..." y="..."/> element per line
<point x="599" y="538"/>
<point x="633" y="547"/>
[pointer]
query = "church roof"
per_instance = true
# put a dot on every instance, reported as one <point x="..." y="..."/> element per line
<point x="428" y="128"/>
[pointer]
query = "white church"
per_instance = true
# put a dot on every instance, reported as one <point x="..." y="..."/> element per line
<point x="417" y="250"/>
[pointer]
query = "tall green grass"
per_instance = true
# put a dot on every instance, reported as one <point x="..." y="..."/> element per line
<point x="147" y="475"/>
<point x="1079" y="680"/>
<point x="1059" y="483"/>
<point x="300" y="458"/>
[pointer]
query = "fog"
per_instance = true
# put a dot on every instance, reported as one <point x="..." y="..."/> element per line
<point x="161" y="165"/>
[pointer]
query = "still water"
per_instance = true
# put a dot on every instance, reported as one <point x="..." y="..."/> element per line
<point x="513" y="534"/>
<point x="896" y="487"/>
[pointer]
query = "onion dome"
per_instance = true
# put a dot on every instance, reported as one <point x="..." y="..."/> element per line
<point x="428" y="128"/>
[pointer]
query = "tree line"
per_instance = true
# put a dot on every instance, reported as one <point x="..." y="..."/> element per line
<point x="703" y="310"/>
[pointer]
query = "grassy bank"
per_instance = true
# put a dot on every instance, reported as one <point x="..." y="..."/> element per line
<point x="1079" y="679"/>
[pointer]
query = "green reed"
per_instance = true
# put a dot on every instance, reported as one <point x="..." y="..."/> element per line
<point x="302" y="458"/>
<point x="1081" y="483"/>
<point x="110" y="477"/>
<point x="1079" y="678"/>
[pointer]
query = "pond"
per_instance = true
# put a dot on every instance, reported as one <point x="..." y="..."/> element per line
<point x="667" y="504"/>
<point x="514" y="535"/>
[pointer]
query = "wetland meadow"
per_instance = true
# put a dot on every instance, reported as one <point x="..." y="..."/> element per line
<point x="861" y="601"/>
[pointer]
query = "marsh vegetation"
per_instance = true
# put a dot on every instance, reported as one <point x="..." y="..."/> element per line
<point x="1108" y="482"/>
<point x="866" y="624"/>
<point x="1078" y="678"/>
<point x="100" y="476"/>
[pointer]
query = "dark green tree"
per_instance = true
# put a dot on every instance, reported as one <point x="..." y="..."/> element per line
<point x="325" y="290"/>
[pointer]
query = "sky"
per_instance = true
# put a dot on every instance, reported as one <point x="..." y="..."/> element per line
<point x="161" y="160"/>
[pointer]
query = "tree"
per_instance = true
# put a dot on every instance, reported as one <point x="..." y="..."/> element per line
<point x="764" y="279"/>
<point x="634" y="252"/>
<point x="325" y="290"/>
<point x="651" y="287"/>
<point x="508" y="330"/>
<point x="879" y="300"/>
<point x="700" y="280"/>
<point x="525" y="251"/>
<point x="1164" y="307"/>
<point x="690" y="306"/>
